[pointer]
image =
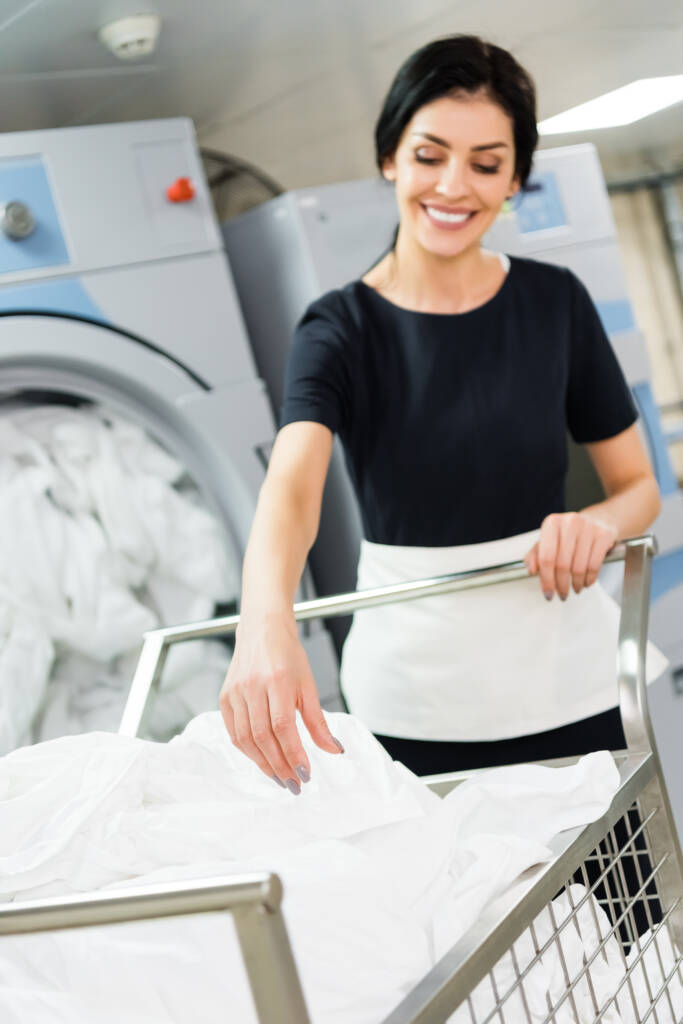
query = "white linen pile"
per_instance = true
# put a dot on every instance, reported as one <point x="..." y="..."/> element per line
<point x="101" y="538"/>
<point x="381" y="876"/>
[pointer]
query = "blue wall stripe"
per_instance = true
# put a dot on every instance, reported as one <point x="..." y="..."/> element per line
<point x="659" y="450"/>
<point x="667" y="573"/>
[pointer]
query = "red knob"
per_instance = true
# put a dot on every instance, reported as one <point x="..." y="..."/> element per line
<point x="181" y="191"/>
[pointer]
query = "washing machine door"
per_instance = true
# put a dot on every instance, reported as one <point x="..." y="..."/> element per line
<point x="222" y="434"/>
<point x="210" y="447"/>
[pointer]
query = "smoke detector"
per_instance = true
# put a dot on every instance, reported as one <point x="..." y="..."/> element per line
<point x="133" y="37"/>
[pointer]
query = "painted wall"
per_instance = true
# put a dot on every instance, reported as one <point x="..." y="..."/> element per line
<point x="655" y="293"/>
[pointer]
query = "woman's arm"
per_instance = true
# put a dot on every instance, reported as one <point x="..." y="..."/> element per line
<point x="269" y="676"/>
<point x="572" y="546"/>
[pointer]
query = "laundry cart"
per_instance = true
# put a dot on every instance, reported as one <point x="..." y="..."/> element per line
<point x="610" y="895"/>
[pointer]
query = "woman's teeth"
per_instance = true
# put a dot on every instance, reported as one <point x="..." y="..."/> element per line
<point x="448" y="218"/>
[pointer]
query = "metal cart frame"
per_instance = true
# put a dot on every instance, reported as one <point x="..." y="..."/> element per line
<point x="638" y="828"/>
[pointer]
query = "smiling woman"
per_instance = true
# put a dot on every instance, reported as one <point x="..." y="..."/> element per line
<point x="469" y="179"/>
<point x="456" y="134"/>
<point x="452" y="376"/>
<point x="450" y="186"/>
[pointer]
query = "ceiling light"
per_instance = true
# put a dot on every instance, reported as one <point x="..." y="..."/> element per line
<point x="621" y="106"/>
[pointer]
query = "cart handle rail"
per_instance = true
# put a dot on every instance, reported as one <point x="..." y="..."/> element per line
<point x="636" y="552"/>
<point x="254" y="901"/>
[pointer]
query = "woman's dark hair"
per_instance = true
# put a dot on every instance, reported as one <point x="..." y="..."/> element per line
<point x="454" y="65"/>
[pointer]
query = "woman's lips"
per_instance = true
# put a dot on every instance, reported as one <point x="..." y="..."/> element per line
<point x="448" y="220"/>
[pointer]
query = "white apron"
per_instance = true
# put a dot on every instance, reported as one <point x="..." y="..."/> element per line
<point x="484" y="664"/>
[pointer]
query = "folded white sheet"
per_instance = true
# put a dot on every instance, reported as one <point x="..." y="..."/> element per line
<point x="380" y="875"/>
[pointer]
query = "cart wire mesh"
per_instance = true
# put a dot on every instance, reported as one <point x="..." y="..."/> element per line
<point x="602" y="950"/>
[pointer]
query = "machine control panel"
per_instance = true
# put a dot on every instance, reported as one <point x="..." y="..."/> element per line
<point x="74" y="200"/>
<point x="541" y="208"/>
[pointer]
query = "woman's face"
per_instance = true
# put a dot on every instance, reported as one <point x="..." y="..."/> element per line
<point x="453" y="169"/>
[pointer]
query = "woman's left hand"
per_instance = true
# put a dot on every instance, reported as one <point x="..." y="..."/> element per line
<point x="569" y="552"/>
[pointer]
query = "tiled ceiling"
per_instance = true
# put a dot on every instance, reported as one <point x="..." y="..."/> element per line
<point x="294" y="86"/>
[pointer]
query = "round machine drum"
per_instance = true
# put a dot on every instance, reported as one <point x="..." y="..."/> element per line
<point x="119" y="512"/>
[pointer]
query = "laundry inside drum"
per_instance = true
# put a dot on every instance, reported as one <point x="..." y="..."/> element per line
<point x="103" y="535"/>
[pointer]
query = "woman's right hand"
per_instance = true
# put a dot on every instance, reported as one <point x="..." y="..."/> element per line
<point x="269" y="679"/>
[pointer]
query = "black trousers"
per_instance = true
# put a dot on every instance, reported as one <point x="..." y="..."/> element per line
<point x="600" y="732"/>
<point x="432" y="757"/>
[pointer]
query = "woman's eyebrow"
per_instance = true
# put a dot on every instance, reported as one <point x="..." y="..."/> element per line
<point x="432" y="138"/>
<point x="475" y="149"/>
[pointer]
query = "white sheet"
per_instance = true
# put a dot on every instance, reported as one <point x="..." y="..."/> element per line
<point x="380" y="875"/>
<point x="102" y="537"/>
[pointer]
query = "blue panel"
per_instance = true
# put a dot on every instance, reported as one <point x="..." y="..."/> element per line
<point x="667" y="573"/>
<point x="541" y="205"/>
<point x="25" y="180"/>
<point x="67" y="296"/>
<point x="659" y="451"/>
<point x="616" y="316"/>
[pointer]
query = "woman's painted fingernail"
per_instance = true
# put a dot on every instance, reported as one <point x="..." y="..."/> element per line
<point x="279" y="781"/>
<point x="303" y="773"/>
<point x="338" y="744"/>
<point x="563" y="597"/>
<point x="293" y="787"/>
<point x="548" y="595"/>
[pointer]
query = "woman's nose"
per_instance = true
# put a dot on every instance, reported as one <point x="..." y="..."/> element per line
<point x="452" y="183"/>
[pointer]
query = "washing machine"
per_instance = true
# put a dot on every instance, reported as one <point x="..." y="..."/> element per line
<point x="115" y="293"/>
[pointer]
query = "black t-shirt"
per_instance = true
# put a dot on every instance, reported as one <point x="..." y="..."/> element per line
<point x="455" y="426"/>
